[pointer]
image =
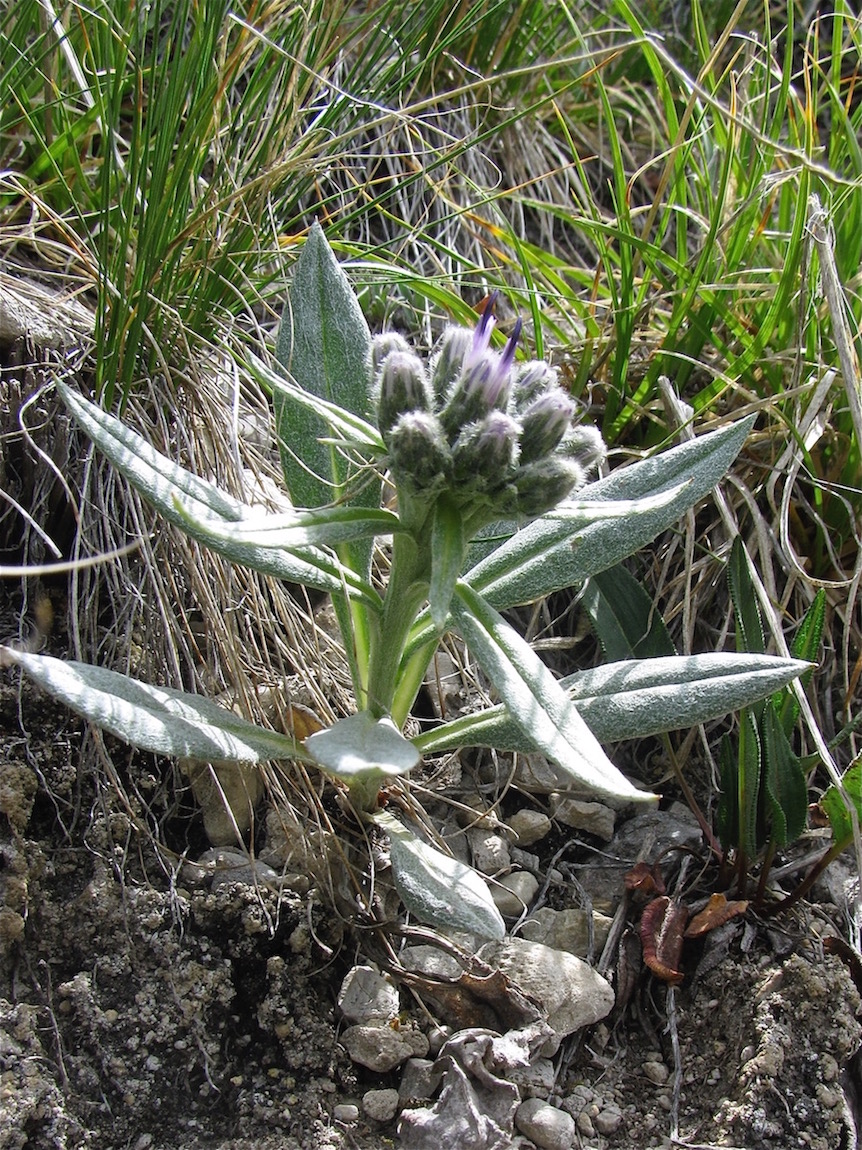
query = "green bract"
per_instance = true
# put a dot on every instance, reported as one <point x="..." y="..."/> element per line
<point x="468" y="438"/>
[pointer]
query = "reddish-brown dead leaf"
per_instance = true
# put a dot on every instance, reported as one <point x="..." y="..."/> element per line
<point x="716" y="913"/>
<point x="645" y="879"/>
<point x="662" y="926"/>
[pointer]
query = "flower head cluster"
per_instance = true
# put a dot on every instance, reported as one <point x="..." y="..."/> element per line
<point x="498" y="438"/>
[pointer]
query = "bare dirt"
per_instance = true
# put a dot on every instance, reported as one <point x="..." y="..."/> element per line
<point x="146" y="1006"/>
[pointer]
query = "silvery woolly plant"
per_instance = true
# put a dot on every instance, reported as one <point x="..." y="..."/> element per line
<point x="491" y="510"/>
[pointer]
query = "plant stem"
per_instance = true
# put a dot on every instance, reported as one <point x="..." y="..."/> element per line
<point x="810" y="879"/>
<point x="408" y="587"/>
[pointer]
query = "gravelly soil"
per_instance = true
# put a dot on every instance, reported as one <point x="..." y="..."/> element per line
<point x="139" y="1010"/>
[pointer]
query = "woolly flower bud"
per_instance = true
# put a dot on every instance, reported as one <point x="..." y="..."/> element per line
<point x="531" y="381"/>
<point x="484" y="383"/>
<point x="382" y="345"/>
<point x="448" y="360"/>
<point x="486" y="452"/>
<point x="419" y="454"/>
<point x="402" y="387"/>
<point x="545" y="483"/>
<point x="584" y="443"/>
<point x="545" y="421"/>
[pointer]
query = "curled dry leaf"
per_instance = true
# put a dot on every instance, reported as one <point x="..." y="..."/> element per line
<point x="716" y="913"/>
<point x="662" y="927"/>
<point x="645" y="879"/>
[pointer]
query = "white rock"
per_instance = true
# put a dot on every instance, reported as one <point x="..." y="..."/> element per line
<point x="572" y="994"/>
<point x="514" y="893"/>
<point x="367" y="996"/>
<point x="382" y="1048"/>
<point x="530" y="826"/>
<point x="548" y="1127"/>
<point x="594" y="818"/>
<point x="380" y="1105"/>
<point x="418" y="1081"/>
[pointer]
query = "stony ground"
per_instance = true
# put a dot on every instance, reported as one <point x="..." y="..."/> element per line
<point x="148" y="1004"/>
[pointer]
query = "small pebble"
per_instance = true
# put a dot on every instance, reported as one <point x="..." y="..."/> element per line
<point x="380" y="1105"/>
<point x="585" y="1125"/>
<point x="609" y="1120"/>
<point x="548" y="1127"/>
<point x="345" y="1112"/>
<point x="530" y="826"/>
<point x="514" y="893"/>
<point x="656" y="1072"/>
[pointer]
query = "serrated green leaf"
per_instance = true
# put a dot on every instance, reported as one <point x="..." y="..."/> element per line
<point x="806" y="645"/>
<point x="634" y="698"/>
<point x="727" y="815"/>
<point x="786" y="790"/>
<point x="749" y="625"/>
<point x="552" y="553"/>
<point x="748" y="784"/>
<point x="447" y="556"/>
<point x="836" y="810"/>
<point x="625" y="620"/>
<point x="158" y="719"/>
<point x="437" y="888"/>
<point x="535" y="700"/>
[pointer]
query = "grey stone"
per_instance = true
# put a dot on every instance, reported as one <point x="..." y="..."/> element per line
<point x="367" y="996"/>
<point x="345" y="1112"/>
<point x="530" y="826"/>
<point x="608" y="1120"/>
<point x="594" y="818"/>
<point x="382" y="1048"/>
<point x="567" y="930"/>
<point x="514" y="893"/>
<point x="490" y="851"/>
<point x="656" y="1072"/>
<point x="430" y="960"/>
<point x="380" y="1105"/>
<point x="548" y="1127"/>
<point x="418" y="1081"/>
<point x="571" y="993"/>
<point x="535" y="1080"/>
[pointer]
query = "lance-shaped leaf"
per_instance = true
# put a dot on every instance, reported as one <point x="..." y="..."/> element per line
<point x="535" y="700"/>
<point x="437" y="888"/>
<point x="158" y="719"/>
<point x="559" y="550"/>
<point x="324" y="343"/>
<point x="188" y="502"/>
<point x="325" y="527"/>
<point x="784" y="778"/>
<point x="635" y="698"/>
<point x="836" y="809"/>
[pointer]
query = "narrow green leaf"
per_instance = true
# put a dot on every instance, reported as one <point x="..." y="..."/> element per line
<point x="631" y="699"/>
<point x="158" y="719"/>
<point x="749" y="625"/>
<point x="535" y="700"/>
<point x="447" y="556"/>
<point x="748" y="784"/>
<point x="437" y="888"/>
<point x="626" y="622"/>
<point x="552" y="553"/>
<point x="786" y="789"/>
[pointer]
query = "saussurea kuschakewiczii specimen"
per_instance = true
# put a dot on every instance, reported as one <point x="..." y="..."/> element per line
<point x="471" y="440"/>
